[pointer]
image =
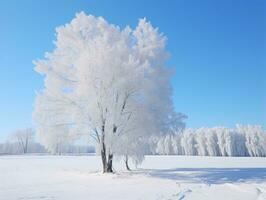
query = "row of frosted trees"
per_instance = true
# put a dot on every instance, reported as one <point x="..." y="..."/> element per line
<point x="15" y="148"/>
<point x="24" y="141"/>
<point x="217" y="141"/>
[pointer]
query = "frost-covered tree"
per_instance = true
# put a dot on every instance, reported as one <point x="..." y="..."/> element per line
<point x="168" y="142"/>
<point x="106" y="82"/>
<point x="188" y="142"/>
<point x="55" y="139"/>
<point x="132" y="149"/>
<point x="165" y="145"/>
<point x="23" y="137"/>
<point x="255" y="139"/>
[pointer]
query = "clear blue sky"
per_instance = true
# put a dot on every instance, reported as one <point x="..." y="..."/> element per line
<point x="217" y="47"/>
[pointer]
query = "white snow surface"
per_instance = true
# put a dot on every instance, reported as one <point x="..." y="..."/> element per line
<point x="158" y="178"/>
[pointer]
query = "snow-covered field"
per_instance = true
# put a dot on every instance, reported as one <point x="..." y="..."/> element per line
<point x="158" y="178"/>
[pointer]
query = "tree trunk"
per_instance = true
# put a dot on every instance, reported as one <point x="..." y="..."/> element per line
<point x="26" y="145"/>
<point x="104" y="160"/>
<point x="126" y="162"/>
<point x="107" y="162"/>
<point x="110" y="163"/>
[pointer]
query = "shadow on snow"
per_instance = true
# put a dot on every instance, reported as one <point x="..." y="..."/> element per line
<point x="208" y="175"/>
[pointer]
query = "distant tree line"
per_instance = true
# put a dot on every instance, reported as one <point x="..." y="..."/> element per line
<point x="23" y="142"/>
<point x="217" y="141"/>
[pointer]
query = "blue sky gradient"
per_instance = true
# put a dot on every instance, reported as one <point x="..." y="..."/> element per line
<point x="217" y="47"/>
